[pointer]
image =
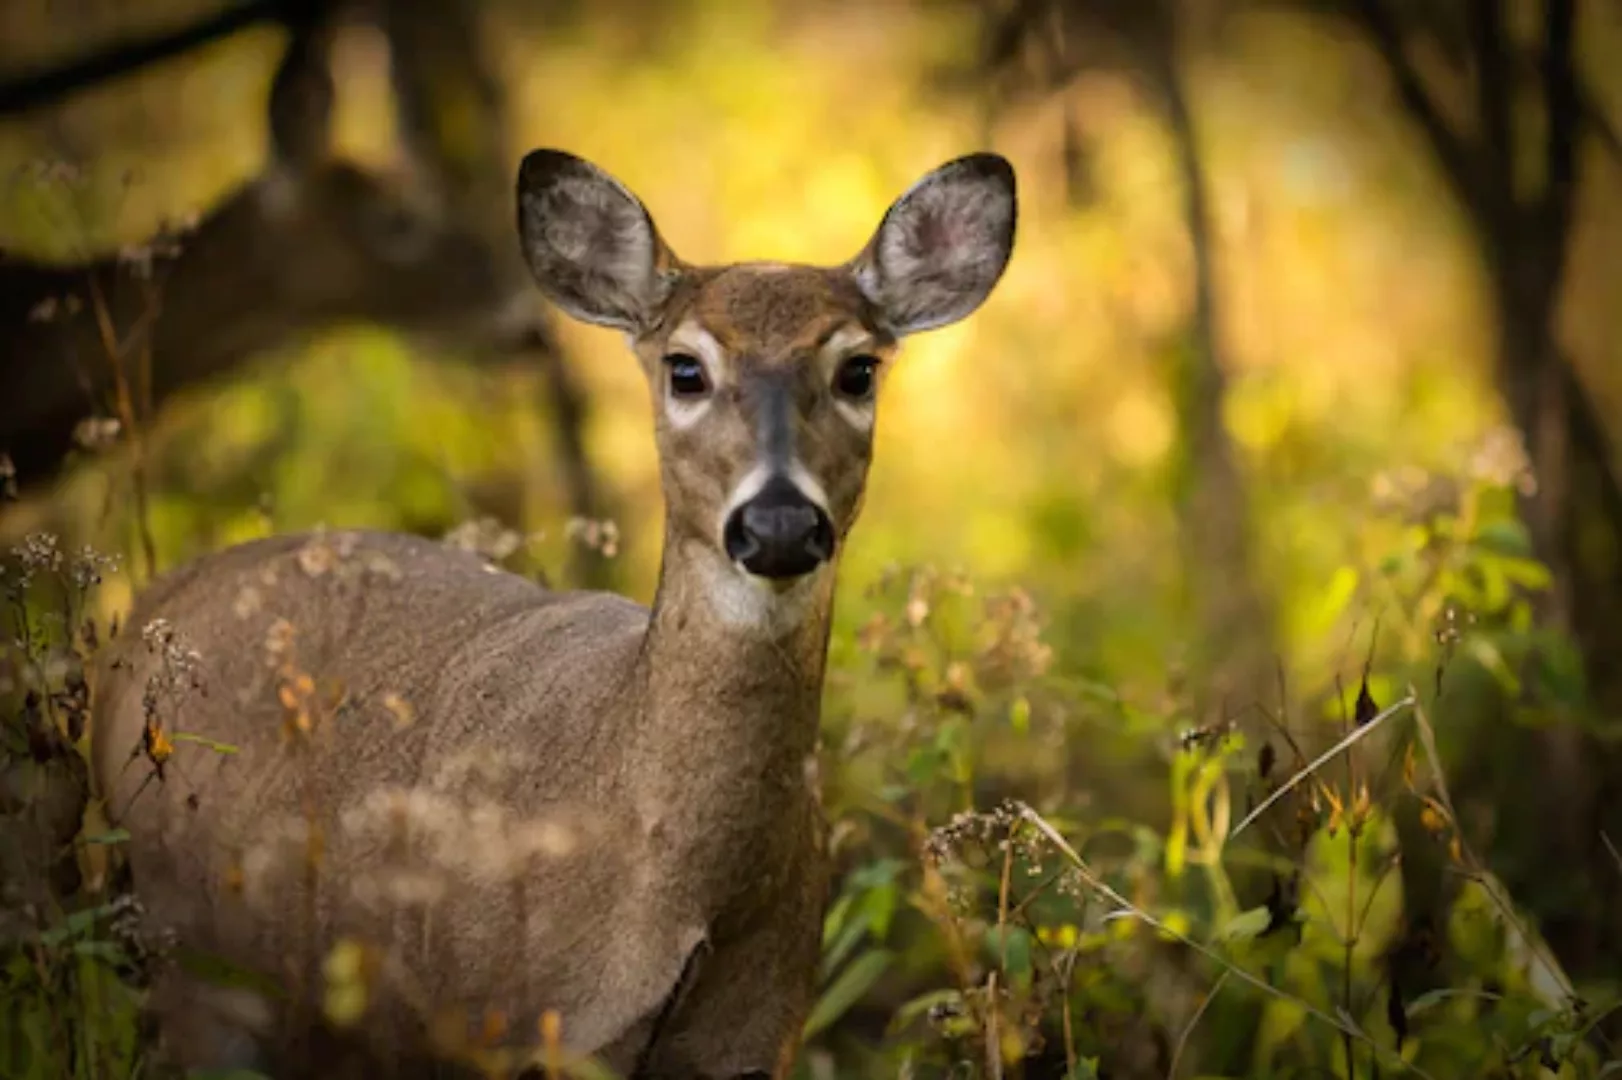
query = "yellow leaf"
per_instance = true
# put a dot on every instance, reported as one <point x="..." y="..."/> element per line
<point x="345" y="1003"/>
<point x="158" y="745"/>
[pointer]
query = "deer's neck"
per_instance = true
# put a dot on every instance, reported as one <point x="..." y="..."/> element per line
<point x="732" y="685"/>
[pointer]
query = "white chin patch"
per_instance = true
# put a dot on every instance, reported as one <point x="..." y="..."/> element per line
<point x="744" y="601"/>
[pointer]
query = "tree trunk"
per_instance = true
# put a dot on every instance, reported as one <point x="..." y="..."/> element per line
<point x="1235" y="658"/>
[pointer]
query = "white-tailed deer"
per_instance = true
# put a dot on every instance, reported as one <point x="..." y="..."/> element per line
<point x="525" y="802"/>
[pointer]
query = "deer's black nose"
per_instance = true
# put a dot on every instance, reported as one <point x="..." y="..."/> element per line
<point x="779" y="533"/>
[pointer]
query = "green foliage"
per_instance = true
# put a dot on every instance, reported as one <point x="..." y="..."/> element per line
<point x="67" y="1006"/>
<point x="986" y="944"/>
<point x="1033" y="817"/>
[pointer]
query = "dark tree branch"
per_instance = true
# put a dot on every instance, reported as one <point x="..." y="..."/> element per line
<point x="123" y="57"/>
<point x="1560" y="102"/>
<point x="1588" y="433"/>
<point x="452" y="115"/>
<point x="1598" y="125"/>
<point x="1493" y="97"/>
<point x="1456" y="153"/>
<point x="450" y="106"/>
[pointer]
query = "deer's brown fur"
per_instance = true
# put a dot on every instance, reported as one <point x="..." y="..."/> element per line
<point x="528" y="800"/>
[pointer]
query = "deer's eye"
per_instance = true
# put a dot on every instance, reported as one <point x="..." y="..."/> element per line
<point x="855" y="377"/>
<point x="687" y="378"/>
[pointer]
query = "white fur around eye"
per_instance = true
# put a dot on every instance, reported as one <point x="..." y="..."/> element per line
<point x="692" y="340"/>
<point x="849" y="342"/>
<point x="858" y="414"/>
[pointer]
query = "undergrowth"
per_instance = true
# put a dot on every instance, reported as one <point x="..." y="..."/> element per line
<point x="1308" y="900"/>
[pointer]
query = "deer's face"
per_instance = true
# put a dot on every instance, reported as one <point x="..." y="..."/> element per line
<point x="765" y="377"/>
<point x="764" y="381"/>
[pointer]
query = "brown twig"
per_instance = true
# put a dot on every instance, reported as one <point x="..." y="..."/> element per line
<point x="125" y="404"/>
<point x="1193" y="1022"/>
<point x="1125" y="908"/>
<point x="1473" y="866"/>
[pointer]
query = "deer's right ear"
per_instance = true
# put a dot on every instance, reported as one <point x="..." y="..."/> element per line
<point x="590" y="244"/>
<point x="942" y="246"/>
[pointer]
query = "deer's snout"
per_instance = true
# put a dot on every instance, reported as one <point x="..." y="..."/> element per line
<point x="779" y="533"/>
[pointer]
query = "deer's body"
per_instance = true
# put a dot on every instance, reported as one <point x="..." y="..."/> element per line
<point x="531" y="802"/>
<point x="493" y="732"/>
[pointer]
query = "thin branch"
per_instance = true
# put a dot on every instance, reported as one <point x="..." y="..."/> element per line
<point x="1560" y="102"/>
<point x="1616" y="856"/>
<point x="1493" y="90"/>
<point x="1592" y="118"/>
<point x="123" y="57"/>
<point x="1193" y="1022"/>
<point x="1456" y="153"/>
<point x="1535" y="945"/>
<point x="1125" y="908"/>
<point x="1318" y="762"/>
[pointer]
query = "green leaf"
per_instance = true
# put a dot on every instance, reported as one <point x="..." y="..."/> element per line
<point x="849" y="937"/>
<point x="834" y="921"/>
<point x="111" y="836"/>
<point x="1339" y="592"/>
<point x="1019" y="714"/>
<point x="1488" y="656"/>
<point x="105" y="951"/>
<point x="1528" y="573"/>
<point x="1086" y="1069"/>
<point x="1432" y="998"/>
<point x="1562" y="670"/>
<point x="1246" y="925"/>
<point x="848" y="989"/>
<point x="74" y="925"/>
<point x="922" y="1004"/>
<point x="1506" y="536"/>
<point x="217" y="747"/>
<point x="1018" y="967"/>
<point x="925" y="764"/>
<point x="222" y="972"/>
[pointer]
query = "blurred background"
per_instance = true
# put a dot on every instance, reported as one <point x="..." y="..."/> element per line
<point x="1294" y="419"/>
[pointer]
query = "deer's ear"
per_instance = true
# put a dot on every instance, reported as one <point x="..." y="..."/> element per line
<point x="942" y="246"/>
<point x="590" y="244"/>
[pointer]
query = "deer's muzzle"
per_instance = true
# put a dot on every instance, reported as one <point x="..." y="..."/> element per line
<point x="779" y="533"/>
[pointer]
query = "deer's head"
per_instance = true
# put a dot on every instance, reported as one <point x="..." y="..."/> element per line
<point x="765" y="376"/>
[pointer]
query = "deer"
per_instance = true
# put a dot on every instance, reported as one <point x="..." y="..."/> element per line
<point x="552" y="810"/>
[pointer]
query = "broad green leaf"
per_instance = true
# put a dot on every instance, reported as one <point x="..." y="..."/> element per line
<point x="1506" y="536"/>
<point x="1246" y="925"/>
<point x="848" y="989"/>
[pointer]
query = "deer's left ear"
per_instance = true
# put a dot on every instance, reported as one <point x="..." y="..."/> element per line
<point x="942" y="246"/>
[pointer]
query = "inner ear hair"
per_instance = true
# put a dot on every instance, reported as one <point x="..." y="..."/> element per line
<point x="942" y="246"/>
<point x="591" y="244"/>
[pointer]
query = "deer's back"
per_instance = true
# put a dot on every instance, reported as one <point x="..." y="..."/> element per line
<point x="377" y="737"/>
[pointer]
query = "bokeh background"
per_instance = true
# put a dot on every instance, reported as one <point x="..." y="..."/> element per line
<point x="1295" y="409"/>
